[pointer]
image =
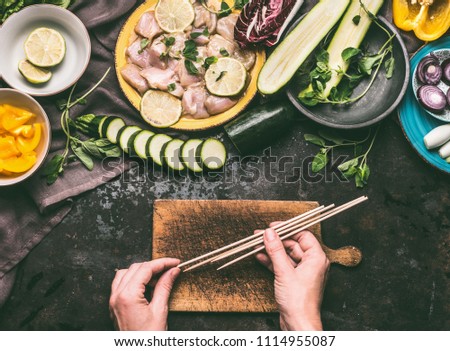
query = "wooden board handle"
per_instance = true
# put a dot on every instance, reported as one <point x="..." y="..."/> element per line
<point x="348" y="256"/>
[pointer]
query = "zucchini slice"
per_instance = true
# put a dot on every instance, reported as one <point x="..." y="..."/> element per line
<point x="212" y="154"/>
<point x="189" y="155"/>
<point x="349" y="35"/>
<point x="299" y="44"/>
<point x="139" y="146"/>
<point x="155" y="145"/>
<point x="170" y="154"/>
<point x="112" y="127"/>
<point x="125" y="135"/>
<point x="101" y="132"/>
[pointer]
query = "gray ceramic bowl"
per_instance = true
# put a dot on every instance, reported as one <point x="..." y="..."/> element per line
<point x="14" y="33"/>
<point x="382" y="98"/>
<point x="19" y="99"/>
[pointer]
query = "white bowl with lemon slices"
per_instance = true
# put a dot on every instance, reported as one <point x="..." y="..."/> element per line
<point x="48" y="50"/>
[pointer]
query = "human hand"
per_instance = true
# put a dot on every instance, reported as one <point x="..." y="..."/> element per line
<point x="300" y="267"/>
<point x="130" y="310"/>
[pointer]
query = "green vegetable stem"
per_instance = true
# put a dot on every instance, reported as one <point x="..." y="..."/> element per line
<point x="356" y="168"/>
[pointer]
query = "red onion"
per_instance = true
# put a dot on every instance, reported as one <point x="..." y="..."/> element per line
<point x="432" y="98"/>
<point x="429" y="71"/>
<point x="446" y="72"/>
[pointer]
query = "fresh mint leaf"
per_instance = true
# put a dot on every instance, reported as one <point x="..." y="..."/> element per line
<point x="323" y="56"/>
<point x="190" y="67"/>
<point x="314" y="139"/>
<point x="171" y="87"/>
<point x="190" y="50"/>
<point x="389" y="65"/>
<point x="221" y="75"/>
<point x="224" y="52"/>
<point x="169" y="41"/>
<point x="144" y="44"/>
<point x="225" y="10"/>
<point x="320" y="161"/>
<point x="53" y="166"/>
<point x="343" y="167"/>
<point x="350" y="53"/>
<point x="356" y="19"/>
<point x="367" y="63"/>
<point x="209" y="61"/>
<point x="332" y="136"/>
<point x="85" y="159"/>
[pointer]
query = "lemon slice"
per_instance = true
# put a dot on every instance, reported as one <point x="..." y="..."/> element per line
<point x="160" y="109"/>
<point x="226" y="77"/>
<point x="174" y="15"/>
<point x="45" y="47"/>
<point x="33" y="74"/>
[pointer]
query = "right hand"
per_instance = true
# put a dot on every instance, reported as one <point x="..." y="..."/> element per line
<point x="300" y="267"/>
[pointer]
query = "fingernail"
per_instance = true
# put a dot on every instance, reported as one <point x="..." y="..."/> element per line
<point x="270" y="234"/>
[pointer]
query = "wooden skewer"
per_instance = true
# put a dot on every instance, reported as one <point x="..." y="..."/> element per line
<point x="260" y="233"/>
<point x="257" y="241"/>
<point x="320" y="219"/>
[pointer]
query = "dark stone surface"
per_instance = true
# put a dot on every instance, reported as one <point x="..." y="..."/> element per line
<point x="402" y="283"/>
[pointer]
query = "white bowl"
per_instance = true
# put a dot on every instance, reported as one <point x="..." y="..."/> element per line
<point x="19" y="99"/>
<point x="16" y="29"/>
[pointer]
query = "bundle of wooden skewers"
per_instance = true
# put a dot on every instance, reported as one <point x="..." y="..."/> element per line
<point x="254" y="242"/>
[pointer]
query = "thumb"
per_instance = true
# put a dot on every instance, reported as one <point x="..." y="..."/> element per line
<point x="276" y="252"/>
<point x="163" y="288"/>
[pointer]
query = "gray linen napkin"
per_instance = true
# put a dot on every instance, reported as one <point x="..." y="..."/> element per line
<point x="28" y="212"/>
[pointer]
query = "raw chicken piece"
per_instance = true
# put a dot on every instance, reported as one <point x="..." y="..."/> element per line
<point x="132" y="75"/>
<point x="225" y="26"/>
<point x="177" y="48"/>
<point x="156" y="49"/>
<point x="202" y="39"/>
<point x="173" y="64"/>
<point x="187" y="79"/>
<point x="204" y="18"/>
<point x="139" y="59"/>
<point x="147" y="26"/>
<point x="215" y="104"/>
<point x="202" y="52"/>
<point x="158" y="78"/>
<point x="194" y="102"/>
<point x="217" y="43"/>
<point x="246" y="57"/>
<point x="178" y="91"/>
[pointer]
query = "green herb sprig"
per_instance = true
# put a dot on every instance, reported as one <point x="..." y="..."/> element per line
<point x="85" y="150"/>
<point x="361" y="65"/>
<point x="356" y="168"/>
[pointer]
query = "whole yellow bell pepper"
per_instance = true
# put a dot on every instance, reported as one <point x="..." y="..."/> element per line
<point x="429" y="19"/>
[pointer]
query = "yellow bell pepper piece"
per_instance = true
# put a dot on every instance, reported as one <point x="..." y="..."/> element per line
<point x="26" y="130"/>
<point x="19" y="164"/>
<point x="26" y="145"/>
<point x="429" y="19"/>
<point x="15" y="117"/>
<point x="8" y="147"/>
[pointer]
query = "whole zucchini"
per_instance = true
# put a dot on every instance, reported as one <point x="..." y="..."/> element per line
<point x="261" y="125"/>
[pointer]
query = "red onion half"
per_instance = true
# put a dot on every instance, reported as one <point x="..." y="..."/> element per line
<point x="432" y="98"/>
<point x="429" y="71"/>
<point x="446" y="72"/>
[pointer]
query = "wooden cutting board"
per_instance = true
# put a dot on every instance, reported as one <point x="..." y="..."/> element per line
<point x="189" y="228"/>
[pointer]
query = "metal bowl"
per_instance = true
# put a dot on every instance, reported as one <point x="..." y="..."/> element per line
<point x="22" y="100"/>
<point x="382" y="98"/>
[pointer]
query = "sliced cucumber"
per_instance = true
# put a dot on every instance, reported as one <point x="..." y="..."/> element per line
<point x="111" y="127"/>
<point x="125" y="135"/>
<point x="100" y="125"/>
<point x="155" y="145"/>
<point x="212" y="154"/>
<point x="171" y="153"/>
<point x="299" y="44"/>
<point x="139" y="144"/>
<point x="189" y="155"/>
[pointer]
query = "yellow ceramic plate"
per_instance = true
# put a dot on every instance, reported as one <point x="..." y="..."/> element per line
<point x="187" y="124"/>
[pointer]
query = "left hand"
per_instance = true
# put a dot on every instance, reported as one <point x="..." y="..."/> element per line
<point x="129" y="308"/>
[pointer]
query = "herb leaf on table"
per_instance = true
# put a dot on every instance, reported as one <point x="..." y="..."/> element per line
<point x="55" y="167"/>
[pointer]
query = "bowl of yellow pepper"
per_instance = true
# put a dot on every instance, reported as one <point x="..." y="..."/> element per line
<point x="25" y="136"/>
